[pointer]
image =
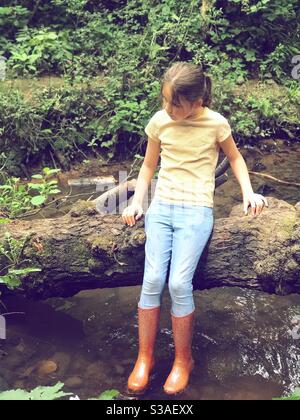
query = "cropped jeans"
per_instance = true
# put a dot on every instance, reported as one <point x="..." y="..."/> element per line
<point x="175" y="233"/>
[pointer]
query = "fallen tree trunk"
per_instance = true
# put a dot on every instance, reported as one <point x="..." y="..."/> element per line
<point x="85" y="250"/>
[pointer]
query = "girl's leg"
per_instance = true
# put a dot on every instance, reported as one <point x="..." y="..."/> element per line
<point x="158" y="248"/>
<point x="157" y="255"/>
<point x="192" y="229"/>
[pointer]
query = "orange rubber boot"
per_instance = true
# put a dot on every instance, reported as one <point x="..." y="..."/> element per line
<point x="183" y="364"/>
<point x="148" y="320"/>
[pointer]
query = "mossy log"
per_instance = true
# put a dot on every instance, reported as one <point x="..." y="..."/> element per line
<point x="86" y="250"/>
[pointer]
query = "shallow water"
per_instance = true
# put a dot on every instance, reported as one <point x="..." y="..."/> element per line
<point x="244" y="346"/>
<point x="246" y="343"/>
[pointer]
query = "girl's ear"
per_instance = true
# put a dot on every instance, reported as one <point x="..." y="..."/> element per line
<point x="198" y="103"/>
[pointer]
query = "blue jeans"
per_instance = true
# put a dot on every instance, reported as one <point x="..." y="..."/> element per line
<point x="178" y="233"/>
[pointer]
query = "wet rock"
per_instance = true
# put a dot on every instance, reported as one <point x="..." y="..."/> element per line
<point x="73" y="382"/>
<point x="3" y="354"/>
<point x="63" y="361"/>
<point x="79" y="364"/>
<point x="19" y="385"/>
<point x="46" y="367"/>
<point x="265" y="189"/>
<point x="258" y="166"/>
<point x="13" y="360"/>
<point x="221" y="369"/>
<point x="126" y="362"/>
<point x="94" y="369"/>
<point x="119" y="369"/>
<point x="13" y="340"/>
<point x="27" y="372"/>
<point x="21" y="346"/>
<point x="96" y="374"/>
<point x="3" y="385"/>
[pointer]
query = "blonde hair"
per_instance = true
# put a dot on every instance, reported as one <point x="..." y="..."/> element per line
<point x="189" y="81"/>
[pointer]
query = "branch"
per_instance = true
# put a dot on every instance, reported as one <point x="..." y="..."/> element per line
<point x="279" y="181"/>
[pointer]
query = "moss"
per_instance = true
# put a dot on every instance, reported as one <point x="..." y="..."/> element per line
<point x="138" y="237"/>
<point x="95" y="266"/>
<point x="77" y="254"/>
<point x="101" y="242"/>
<point x="83" y="207"/>
<point x="288" y="225"/>
<point x="79" y="250"/>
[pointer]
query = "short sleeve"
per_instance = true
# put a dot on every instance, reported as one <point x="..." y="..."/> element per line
<point x="152" y="128"/>
<point x="224" y="130"/>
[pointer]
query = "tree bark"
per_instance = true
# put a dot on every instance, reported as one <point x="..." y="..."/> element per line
<point x="85" y="249"/>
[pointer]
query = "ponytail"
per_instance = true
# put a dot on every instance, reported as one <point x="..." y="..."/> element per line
<point x="208" y="91"/>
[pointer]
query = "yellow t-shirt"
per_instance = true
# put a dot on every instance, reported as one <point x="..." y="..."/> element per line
<point x="189" y="155"/>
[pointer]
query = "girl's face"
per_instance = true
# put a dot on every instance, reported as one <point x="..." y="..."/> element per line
<point x="181" y="111"/>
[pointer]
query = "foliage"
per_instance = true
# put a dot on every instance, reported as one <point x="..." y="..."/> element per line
<point x="39" y="50"/>
<point x="12" y="19"/>
<point x="45" y="188"/>
<point x="13" y="278"/>
<point x="53" y="392"/>
<point x="295" y="396"/>
<point x="16" y="198"/>
<point x="40" y="393"/>
<point x="99" y="117"/>
<point x="110" y="394"/>
<point x="130" y="43"/>
<point x="12" y="250"/>
<point x="271" y="24"/>
<point x="88" y="33"/>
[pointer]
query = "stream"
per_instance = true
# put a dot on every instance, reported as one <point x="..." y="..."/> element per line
<point x="246" y="343"/>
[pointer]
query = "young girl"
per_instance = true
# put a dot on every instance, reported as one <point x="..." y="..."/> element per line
<point x="179" y="220"/>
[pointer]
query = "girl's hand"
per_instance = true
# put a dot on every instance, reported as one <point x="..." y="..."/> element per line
<point x="257" y="202"/>
<point x="129" y="213"/>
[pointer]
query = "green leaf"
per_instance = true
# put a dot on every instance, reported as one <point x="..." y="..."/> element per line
<point x="26" y="270"/>
<point x="10" y="281"/>
<point x="294" y="396"/>
<point x="38" y="200"/>
<point x="110" y="394"/>
<point x="37" y="176"/>
<point x="35" y="186"/>
<point x="40" y="393"/>
<point x="4" y="220"/>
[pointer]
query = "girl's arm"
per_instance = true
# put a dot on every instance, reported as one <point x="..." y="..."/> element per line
<point x="143" y="181"/>
<point x="239" y="168"/>
<point x="147" y="170"/>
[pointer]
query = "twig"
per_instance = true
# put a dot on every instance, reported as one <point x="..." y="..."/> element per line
<point x="280" y="181"/>
<point x="48" y="204"/>
<point x="13" y="313"/>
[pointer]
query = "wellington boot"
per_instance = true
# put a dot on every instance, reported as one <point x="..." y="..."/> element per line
<point x="148" y="321"/>
<point x="183" y="364"/>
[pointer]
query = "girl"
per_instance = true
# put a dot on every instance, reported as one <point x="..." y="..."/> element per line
<point x="179" y="220"/>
